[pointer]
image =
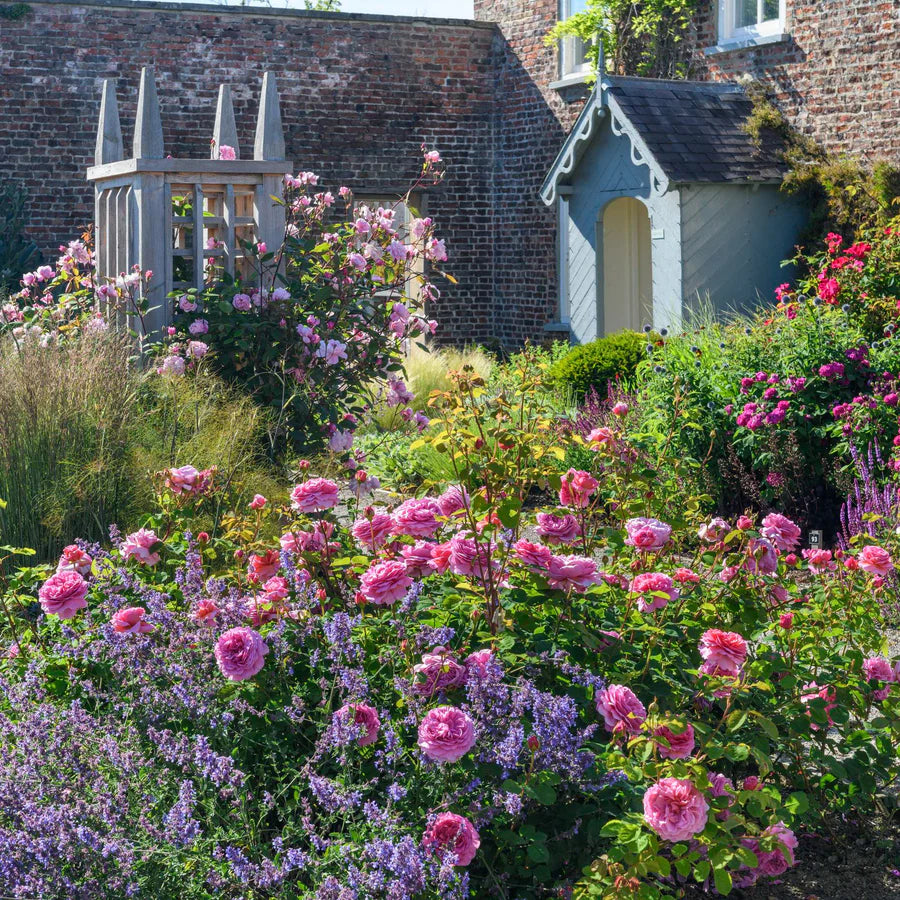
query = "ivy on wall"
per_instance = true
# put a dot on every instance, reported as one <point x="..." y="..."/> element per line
<point x="13" y="11"/>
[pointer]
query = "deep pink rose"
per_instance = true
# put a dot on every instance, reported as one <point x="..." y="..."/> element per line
<point x="276" y="589"/>
<point x="470" y="558"/>
<point x="438" y="671"/>
<point x="558" y="529"/>
<point x="819" y="561"/>
<point x="205" y="611"/>
<point x="137" y="546"/>
<point x="572" y="573"/>
<point x="535" y="556"/>
<point x="675" y="809"/>
<point x="63" y="594"/>
<point x="680" y="744"/>
<point x="76" y="560"/>
<point x="577" y="488"/>
<point x="600" y="437"/>
<point x="724" y="650"/>
<point x="450" y="833"/>
<point x="263" y="567"/>
<point x="131" y="621"/>
<point x="647" y="534"/>
<point x="372" y="533"/>
<point x="813" y="691"/>
<point x="771" y="863"/>
<point x="875" y="560"/>
<point x="446" y="734"/>
<point x="365" y="717"/>
<point x="258" y="501"/>
<point x="480" y="662"/>
<point x="455" y="499"/>
<point x="186" y="480"/>
<point x="314" y="495"/>
<point x="418" y="559"/>
<point x="385" y="583"/>
<point x="621" y="709"/>
<point x="417" y="518"/>
<point x="240" y="653"/>
<point x="781" y="531"/>
<point x="877" y="668"/>
<point x="655" y="590"/>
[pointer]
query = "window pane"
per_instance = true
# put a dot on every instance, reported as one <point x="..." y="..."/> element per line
<point x="771" y="10"/>
<point x="745" y="13"/>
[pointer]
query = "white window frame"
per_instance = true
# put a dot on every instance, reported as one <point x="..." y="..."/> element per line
<point x="573" y="59"/>
<point x="730" y="33"/>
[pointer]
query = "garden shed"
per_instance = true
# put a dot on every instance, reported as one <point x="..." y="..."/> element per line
<point x="664" y="201"/>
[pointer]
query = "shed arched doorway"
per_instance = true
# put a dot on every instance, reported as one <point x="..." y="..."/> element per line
<point x="626" y="288"/>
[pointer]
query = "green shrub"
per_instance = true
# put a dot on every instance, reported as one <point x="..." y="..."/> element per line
<point x="601" y="361"/>
<point x="18" y="254"/>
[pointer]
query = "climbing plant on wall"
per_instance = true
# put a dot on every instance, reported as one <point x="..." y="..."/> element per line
<point x="638" y="37"/>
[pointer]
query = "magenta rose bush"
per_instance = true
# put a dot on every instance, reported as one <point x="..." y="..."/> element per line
<point x="527" y="684"/>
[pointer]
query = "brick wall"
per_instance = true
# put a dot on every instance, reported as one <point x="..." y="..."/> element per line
<point x="533" y="122"/>
<point x="358" y="94"/>
<point x="837" y="77"/>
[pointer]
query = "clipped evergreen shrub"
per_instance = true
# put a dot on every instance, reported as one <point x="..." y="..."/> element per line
<point x="597" y="363"/>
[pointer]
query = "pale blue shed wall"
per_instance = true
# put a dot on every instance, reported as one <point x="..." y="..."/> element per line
<point x="734" y="238"/>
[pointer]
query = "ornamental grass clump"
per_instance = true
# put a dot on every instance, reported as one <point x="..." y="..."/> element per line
<point x="434" y="697"/>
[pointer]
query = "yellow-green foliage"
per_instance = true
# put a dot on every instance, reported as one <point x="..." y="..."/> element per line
<point x="428" y="371"/>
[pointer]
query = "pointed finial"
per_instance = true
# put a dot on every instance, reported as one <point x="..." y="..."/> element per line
<point x="269" y="142"/>
<point x="109" y="146"/>
<point x="225" y="131"/>
<point x="601" y="60"/>
<point x="148" y="133"/>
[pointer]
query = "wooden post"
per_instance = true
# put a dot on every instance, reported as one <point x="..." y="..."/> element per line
<point x="225" y="130"/>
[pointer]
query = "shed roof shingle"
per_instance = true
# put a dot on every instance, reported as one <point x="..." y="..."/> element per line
<point x="695" y="130"/>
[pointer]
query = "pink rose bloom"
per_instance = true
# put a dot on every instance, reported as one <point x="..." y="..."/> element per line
<point x="761" y="557"/>
<point x="877" y="668"/>
<point x="778" y="861"/>
<point x="385" y="583"/>
<point x="137" y="546"/>
<point x="621" y="709"/>
<point x="366" y="717"/>
<point x="781" y="531"/>
<point x="131" y="621"/>
<point x="620" y="409"/>
<point x="557" y="530"/>
<point x="446" y="734"/>
<point x="576" y="489"/>
<point x="226" y="152"/>
<point x="63" y="594"/>
<point x="469" y="558"/>
<point x="276" y="589"/>
<point x="373" y="533"/>
<point x="479" y="662"/>
<point x="686" y="576"/>
<point x="440" y="557"/>
<point x="240" y="653"/>
<point x="262" y="568"/>
<point x="314" y="495"/>
<point x="656" y="589"/>
<point x="600" y="437"/>
<point x="572" y="573"/>
<point x="680" y="745"/>
<point x="438" y="671"/>
<point x="455" y="499"/>
<point x="725" y="650"/>
<point x="535" y="556"/>
<point x="418" y="559"/>
<point x="675" y="809"/>
<point x="452" y="834"/>
<point x="290" y="542"/>
<point x="186" y="480"/>
<point x="417" y="518"/>
<point x="714" y="531"/>
<point x="205" y="611"/>
<point x="647" y="534"/>
<point x="819" y="561"/>
<point x="259" y="610"/>
<point x="875" y="560"/>
<point x="258" y="501"/>
<point x="76" y="560"/>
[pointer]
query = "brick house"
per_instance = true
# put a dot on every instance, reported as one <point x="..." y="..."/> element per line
<point x="360" y="93"/>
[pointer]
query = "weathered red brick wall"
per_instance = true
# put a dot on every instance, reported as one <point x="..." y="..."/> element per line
<point x="533" y="122"/>
<point x="359" y="94"/>
<point x="837" y="77"/>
